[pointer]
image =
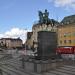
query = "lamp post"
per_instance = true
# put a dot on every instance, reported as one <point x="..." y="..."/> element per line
<point x="25" y="41"/>
<point x="23" y="60"/>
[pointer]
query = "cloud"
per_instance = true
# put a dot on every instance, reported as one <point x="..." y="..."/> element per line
<point x="63" y="3"/>
<point x="15" y="33"/>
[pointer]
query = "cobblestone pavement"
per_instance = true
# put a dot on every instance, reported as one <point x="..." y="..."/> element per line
<point x="64" y="70"/>
<point x="14" y="67"/>
<point x="11" y="69"/>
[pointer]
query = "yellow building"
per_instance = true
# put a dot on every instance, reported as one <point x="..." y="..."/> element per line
<point x="66" y="35"/>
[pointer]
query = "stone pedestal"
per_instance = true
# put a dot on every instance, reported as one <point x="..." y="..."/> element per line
<point x="39" y="65"/>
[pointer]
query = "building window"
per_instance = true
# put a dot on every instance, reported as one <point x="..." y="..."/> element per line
<point x="65" y="35"/>
<point x="65" y="41"/>
<point x="69" y="41"/>
<point x="60" y="42"/>
<point x="73" y="41"/>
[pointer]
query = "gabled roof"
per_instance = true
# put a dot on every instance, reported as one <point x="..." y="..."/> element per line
<point x="11" y="39"/>
<point x="68" y="20"/>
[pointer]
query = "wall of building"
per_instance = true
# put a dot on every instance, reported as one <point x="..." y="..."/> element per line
<point x="29" y="41"/>
<point x="66" y="35"/>
<point x="16" y="43"/>
<point x="11" y="43"/>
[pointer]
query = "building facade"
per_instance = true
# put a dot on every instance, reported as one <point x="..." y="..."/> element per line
<point x="66" y="35"/>
<point x="11" y="43"/>
<point x="29" y="41"/>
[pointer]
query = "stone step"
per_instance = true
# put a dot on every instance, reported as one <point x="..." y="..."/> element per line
<point x="58" y="72"/>
<point x="65" y="71"/>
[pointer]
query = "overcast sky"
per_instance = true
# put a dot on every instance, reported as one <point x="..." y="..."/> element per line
<point x="17" y="16"/>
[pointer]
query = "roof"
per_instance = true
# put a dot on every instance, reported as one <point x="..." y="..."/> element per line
<point x="11" y="39"/>
<point x="68" y="20"/>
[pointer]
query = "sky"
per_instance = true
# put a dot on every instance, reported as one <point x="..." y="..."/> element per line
<point x="18" y="16"/>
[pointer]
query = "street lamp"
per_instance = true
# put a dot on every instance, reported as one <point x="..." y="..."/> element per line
<point x="25" y="40"/>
